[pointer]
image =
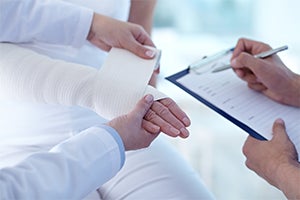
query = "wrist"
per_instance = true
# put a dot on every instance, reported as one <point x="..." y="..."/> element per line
<point x="91" y="33"/>
<point x="288" y="177"/>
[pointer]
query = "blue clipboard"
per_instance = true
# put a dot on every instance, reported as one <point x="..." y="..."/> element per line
<point x="173" y="78"/>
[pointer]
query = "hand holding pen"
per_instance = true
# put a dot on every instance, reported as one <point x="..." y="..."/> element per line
<point x="261" y="55"/>
<point x="269" y="76"/>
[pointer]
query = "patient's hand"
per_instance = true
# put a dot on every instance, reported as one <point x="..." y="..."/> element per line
<point x="166" y="114"/>
<point x="133" y="128"/>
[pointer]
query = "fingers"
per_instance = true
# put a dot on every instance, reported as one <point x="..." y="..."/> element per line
<point x="249" y="46"/>
<point x="248" y="143"/>
<point x="141" y="50"/>
<point x="150" y="127"/>
<point x="143" y="106"/>
<point x="172" y="120"/>
<point x="257" y="86"/>
<point x="138" y="43"/>
<point x="165" y="127"/>
<point x="244" y="60"/>
<point x="175" y="110"/>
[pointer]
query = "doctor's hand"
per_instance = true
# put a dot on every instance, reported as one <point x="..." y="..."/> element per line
<point x="106" y="32"/>
<point x="275" y="160"/>
<point x="269" y="76"/>
<point x="135" y="131"/>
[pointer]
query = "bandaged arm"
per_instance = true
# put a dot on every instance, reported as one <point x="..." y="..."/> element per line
<point x="29" y="76"/>
<point x="114" y="90"/>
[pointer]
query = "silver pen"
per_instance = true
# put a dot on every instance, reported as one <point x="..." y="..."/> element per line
<point x="264" y="54"/>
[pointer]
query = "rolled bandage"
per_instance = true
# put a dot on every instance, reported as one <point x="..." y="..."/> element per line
<point x="123" y="80"/>
<point x="113" y="90"/>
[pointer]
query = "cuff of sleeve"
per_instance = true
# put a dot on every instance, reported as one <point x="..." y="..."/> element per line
<point x="84" y="25"/>
<point x="118" y="139"/>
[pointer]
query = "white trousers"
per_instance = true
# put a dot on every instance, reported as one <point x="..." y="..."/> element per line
<point x="156" y="173"/>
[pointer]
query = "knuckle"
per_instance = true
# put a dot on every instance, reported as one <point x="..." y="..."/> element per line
<point x="247" y="163"/>
<point x="167" y="102"/>
<point x="163" y="111"/>
<point x="245" y="150"/>
<point x="150" y="115"/>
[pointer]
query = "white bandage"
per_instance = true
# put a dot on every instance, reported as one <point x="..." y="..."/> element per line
<point x="122" y="81"/>
<point x="111" y="91"/>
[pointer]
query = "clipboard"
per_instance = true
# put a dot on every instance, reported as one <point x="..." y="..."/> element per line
<point x="180" y="78"/>
<point x="173" y="78"/>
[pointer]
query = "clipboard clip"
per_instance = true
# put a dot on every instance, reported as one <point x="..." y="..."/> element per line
<point x="209" y="63"/>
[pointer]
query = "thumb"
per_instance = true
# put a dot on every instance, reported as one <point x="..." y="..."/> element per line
<point x="141" y="44"/>
<point x="143" y="106"/>
<point x="279" y="129"/>
<point x="142" y="51"/>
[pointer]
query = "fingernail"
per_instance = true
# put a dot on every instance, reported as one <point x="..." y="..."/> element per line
<point x="184" y="131"/>
<point x="150" y="53"/>
<point x="279" y="121"/>
<point x="233" y="62"/>
<point x="239" y="73"/>
<point x="149" y="98"/>
<point x="174" y="131"/>
<point x="186" y="121"/>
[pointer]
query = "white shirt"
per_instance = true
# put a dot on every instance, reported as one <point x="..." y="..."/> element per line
<point x="28" y="128"/>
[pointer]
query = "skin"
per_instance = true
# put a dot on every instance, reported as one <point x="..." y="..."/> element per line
<point x="142" y="13"/>
<point x="131" y="129"/>
<point x="276" y="160"/>
<point x="269" y="76"/>
<point x="106" y="32"/>
<point x="164" y="113"/>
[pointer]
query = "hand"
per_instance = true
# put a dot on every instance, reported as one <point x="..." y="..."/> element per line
<point x="133" y="128"/>
<point x="271" y="159"/>
<point x="269" y="76"/>
<point x="106" y="32"/>
<point x="166" y="114"/>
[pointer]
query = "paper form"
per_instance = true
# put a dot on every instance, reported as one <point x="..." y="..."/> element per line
<point x="225" y="91"/>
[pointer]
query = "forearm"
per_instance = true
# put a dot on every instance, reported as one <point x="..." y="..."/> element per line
<point x="141" y="12"/>
<point x="28" y="76"/>
<point x="49" y="21"/>
<point x="71" y="170"/>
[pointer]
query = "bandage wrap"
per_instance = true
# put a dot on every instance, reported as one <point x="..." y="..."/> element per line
<point x="111" y="91"/>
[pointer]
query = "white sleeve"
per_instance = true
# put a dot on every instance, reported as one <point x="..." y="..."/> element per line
<point x="71" y="170"/>
<point x="49" y="21"/>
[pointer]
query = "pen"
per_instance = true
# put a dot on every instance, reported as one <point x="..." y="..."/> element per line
<point x="262" y="55"/>
<point x="197" y="67"/>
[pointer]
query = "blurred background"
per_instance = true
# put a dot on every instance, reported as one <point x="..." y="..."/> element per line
<point x="186" y="31"/>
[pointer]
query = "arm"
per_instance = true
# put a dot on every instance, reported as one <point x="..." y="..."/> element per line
<point x="276" y="160"/>
<point x="59" y="22"/>
<point x="106" y="32"/>
<point x="81" y="164"/>
<point x="49" y="21"/>
<point x="141" y="12"/>
<point x="269" y="76"/>
<point x="41" y="79"/>
<point x="71" y="170"/>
